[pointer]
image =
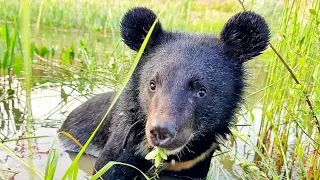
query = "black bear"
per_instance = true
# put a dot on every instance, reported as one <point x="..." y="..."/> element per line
<point x="182" y="96"/>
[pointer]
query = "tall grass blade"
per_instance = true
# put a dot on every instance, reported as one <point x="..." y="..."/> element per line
<point x="52" y="164"/>
<point x="25" y="38"/>
<point x="39" y="17"/>
<point x="51" y="161"/>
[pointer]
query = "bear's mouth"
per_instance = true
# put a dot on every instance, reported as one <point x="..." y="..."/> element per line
<point x="173" y="146"/>
<point x="176" y="150"/>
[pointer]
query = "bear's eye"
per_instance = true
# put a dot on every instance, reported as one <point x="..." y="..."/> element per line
<point x="201" y="93"/>
<point x="152" y="85"/>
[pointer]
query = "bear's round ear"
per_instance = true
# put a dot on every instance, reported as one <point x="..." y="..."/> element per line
<point x="245" y="36"/>
<point x="135" y="25"/>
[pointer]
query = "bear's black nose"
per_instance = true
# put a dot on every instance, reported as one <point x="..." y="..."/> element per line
<point x="162" y="133"/>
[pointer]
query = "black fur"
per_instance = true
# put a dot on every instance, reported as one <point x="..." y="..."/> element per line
<point x="246" y="35"/>
<point x="180" y="64"/>
<point x="135" y="25"/>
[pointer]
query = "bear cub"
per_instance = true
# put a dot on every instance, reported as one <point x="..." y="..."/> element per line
<point x="181" y="97"/>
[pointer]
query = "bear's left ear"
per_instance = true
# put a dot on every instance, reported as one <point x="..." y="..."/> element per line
<point x="245" y="36"/>
<point x="135" y="25"/>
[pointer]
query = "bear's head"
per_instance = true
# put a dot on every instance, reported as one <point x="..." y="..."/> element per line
<point x="191" y="84"/>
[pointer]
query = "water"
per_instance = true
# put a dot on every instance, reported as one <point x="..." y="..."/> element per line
<point x="48" y="111"/>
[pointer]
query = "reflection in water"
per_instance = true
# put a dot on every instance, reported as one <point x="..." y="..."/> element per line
<point x="49" y="109"/>
<point x="41" y="155"/>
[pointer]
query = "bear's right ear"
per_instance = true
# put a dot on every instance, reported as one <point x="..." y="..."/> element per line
<point x="135" y="25"/>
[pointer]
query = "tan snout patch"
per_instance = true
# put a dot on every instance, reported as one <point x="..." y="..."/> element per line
<point x="156" y="111"/>
<point x="148" y="126"/>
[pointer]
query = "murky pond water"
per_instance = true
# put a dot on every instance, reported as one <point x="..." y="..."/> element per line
<point x="49" y="109"/>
